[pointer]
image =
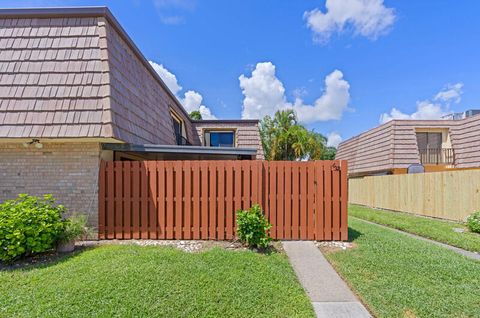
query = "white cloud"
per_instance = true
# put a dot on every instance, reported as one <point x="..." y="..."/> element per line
<point x="333" y="139"/>
<point x="329" y="106"/>
<point x="264" y="94"/>
<point x="263" y="91"/>
<point x="168" y="78"/>
<point x="428" y="109"/>
<point x="191" y="101"/>
<point x="170" y="11"/>
<point x="450" y="93"/>
<point x="368" y="18"/>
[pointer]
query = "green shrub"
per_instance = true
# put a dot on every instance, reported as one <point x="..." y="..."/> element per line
<point x="29" y="225"/>
<point x="73" y="228"/>
<point x="252" y="227"/>
<point x="473" y="222"/>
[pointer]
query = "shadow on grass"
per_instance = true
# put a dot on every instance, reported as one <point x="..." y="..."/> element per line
<point x="353" y="234"/>
<point x="42" y="260"/>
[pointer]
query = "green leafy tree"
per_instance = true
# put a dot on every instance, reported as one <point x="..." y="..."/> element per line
<point x="195" y="115"/>
<point x="329" y="153"/>
<point x="283" y="138"/>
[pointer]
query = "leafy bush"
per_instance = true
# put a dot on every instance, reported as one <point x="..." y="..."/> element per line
<point x="73" y="228"/>
<point x="473" y="222"/>
<point x="29" y="225"/>
<point x="252" y="227"/>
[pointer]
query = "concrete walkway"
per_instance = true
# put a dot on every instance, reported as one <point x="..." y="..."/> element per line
<point x="330" y="296"/>
<point x="463" y="252"/>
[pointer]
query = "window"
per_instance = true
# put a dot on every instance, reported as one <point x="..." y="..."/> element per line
<point x="429" y="140"/>
<point x="219" y="138"/>
<point x="179" y="129"/>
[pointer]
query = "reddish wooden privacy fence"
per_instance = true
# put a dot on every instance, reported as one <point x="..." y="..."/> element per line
<point x="198" y="199"/>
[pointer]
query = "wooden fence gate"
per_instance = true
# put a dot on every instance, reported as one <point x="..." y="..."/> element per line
<point x="198" y="199"/>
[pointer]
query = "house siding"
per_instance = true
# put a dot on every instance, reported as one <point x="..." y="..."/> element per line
<point x="370" y="151"/>
<point x="394" y="145"/>
<point x="140" y="105"/>
<point x="68" y="171"/>
<point x="53" y="78"/>
<point x="79" y="77"/>
<point x="247" y="133"/>
<point x="466" y="142"/>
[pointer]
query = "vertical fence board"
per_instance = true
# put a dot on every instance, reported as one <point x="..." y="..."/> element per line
<point x="327" y="226"/>
<point x="127" y="201"/>
<point x="230" y="200"/>
<point x="101" y="201"/>
<point x="152" y="200"/>
<point x="213" y="202"/>
<point x="273" y="199"/>
<point x="110" y="201"/>
<point x="187" y="215"/>
<point x="310" y="202"/>
<point x="303" y="202"/>
<point x="161" y="200"/>
<point x="344" y="201"/>
<point x="280" y="197"/>
<point x="246" y="184"/>
<point x="335" y="202"/>
<point x="319" y="201"/>
<point x="135" y="199"/>
<point x="204" y="206"/>
<point x="118" y="170"/>
<point x="178" y="209"/>
<point x="295" y="201"/>
<point x="170" y="182"/>
<point x="288" y="200"/>
<point x="198" y="199"/>
<point x="144" y="194"/>
<point x="221" y="201"/>
<point x="237" y="168"/>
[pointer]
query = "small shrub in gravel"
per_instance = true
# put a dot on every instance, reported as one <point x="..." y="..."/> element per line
<point x="473" y="222"/>
<point x="252" y="227"/>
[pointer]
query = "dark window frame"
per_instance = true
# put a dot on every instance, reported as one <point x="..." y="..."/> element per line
<point x="208" y="142"/>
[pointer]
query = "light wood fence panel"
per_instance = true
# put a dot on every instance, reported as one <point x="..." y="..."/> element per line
<point x="451" y="195"/>
<point x="198" y="199"/>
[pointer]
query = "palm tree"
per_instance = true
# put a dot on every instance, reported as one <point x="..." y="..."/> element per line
<point x="283" y="138"/>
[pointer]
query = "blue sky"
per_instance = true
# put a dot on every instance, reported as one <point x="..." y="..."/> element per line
<point x="403" y="59"/>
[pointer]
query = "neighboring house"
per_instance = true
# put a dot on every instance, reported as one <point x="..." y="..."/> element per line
<point x="437" y="145"/>
<point x="74" y="89"/>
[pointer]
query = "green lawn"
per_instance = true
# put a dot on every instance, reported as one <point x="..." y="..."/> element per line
<point x="127" y="281"/>
<point x="434" y="229"/>
<point x="400" y="276"/>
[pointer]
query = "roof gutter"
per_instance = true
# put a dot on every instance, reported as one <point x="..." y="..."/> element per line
<point x="151" y="148"/>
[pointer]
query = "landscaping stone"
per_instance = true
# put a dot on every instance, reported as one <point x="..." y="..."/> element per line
<point x="334" y="245"/>
<point x="190" y="246"/>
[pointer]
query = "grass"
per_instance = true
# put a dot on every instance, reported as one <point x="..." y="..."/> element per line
<point x="438" y="230"/>
<point x="400" y="276"/>
<point x="127" y="281"/>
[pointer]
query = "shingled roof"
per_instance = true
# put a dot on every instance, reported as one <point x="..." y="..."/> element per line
<point x="74" y="72"/>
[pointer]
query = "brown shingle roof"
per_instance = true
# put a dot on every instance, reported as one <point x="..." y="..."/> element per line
<point x="74" y="72"/>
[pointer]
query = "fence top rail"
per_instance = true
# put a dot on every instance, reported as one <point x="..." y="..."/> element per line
<point x="239" y="161"/>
